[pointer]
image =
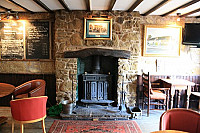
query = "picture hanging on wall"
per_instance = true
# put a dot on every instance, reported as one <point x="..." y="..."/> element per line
<point x="162" y="40"/>
<point x="98" y="28"/>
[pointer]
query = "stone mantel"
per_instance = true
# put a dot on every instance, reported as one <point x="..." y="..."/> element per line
<point x="124" y="54"/>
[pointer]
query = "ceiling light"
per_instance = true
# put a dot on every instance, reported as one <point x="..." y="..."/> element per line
<point x="9" y="15"/>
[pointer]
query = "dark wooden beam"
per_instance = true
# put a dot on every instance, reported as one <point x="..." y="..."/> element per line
<point x="5" y="8"/>
<point x="42" y="5"/>
<point x="112" y="3"/>
<point x="134" y="5"/>
<point x="156" y="7"/>
<point x="64" y="5"/>
<point x="197" y="16"/>
<point x="97" y="51"/>
<point x="192" y="12"/>
<point x="183" y="6"/>
<point x="17" y="4"/>
<point x="87" y="2"/>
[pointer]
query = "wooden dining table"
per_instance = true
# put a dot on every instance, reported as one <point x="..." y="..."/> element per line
<point x="179" y="85"/>
<point x="5" y="90"/>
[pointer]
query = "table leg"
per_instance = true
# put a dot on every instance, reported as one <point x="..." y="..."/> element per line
<point x="167" y="100"/>
<point x="188" y="96"/>
<point x="179" y="98"/>
<point x="172" y="92"/>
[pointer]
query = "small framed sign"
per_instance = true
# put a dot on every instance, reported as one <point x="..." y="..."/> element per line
<point x="97" y="28"/>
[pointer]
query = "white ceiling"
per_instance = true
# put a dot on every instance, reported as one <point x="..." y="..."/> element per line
<point x="122" y="5"/>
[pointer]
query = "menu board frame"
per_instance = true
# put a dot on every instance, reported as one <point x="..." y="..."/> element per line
<point x="25" y="41"/>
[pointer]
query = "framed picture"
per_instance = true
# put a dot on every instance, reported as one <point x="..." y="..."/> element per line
<point x="97" y="28"/>
<point x="162" y="40"/>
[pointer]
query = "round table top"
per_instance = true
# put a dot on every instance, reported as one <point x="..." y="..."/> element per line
<point x="169" y="131"/>
<point x="6" y="89"/>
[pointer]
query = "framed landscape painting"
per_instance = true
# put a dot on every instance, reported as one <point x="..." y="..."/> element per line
<point x="98" y="28"/>
<point x="162" y="40"/>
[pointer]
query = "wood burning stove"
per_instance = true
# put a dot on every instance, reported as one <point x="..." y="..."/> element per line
<point x="95" y="86"/>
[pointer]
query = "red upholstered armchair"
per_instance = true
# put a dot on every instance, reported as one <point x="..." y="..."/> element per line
<point x="30" y="89"/>
<point x="180" y="119"/>
<point x="28" y="110"/>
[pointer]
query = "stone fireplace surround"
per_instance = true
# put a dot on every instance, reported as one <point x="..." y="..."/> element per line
<point x="101" y="84"/>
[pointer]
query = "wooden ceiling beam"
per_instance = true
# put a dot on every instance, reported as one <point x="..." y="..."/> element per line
<point x="5" y="8"/>
<point x="87" y="2"/>
<point x="17" y="4"/>
<point x="183" y="6"/>
<point x="189" y="13"/>
<point x="112" y="3"/>
<point x="156" y="7"/>
<point x="64" y="5"/>
<point x="134" y="5"/>
<point x="42" y="5"/>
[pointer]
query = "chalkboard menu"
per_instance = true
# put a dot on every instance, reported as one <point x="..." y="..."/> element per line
<point x="12" y="40"/>
<point x="25" y="40"/>
<point x="37" y="40"/>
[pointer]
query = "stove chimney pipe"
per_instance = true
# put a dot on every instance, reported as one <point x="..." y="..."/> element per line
<point x="96" y="64"/>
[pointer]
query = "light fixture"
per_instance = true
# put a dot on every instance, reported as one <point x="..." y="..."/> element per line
<point x="9" y="15"/>
<point x="178" y="15"/>
<point x="17" y="17"/>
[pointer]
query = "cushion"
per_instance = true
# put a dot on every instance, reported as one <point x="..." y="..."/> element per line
<point x="22" y="96"/>
<point x="156" y="94"/>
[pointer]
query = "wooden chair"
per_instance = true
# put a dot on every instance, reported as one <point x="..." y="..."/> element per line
<point x="155" y="94"/>
<point x="31" y="88"/>
<point x="28" y="110"/>
<point x="180" y="119"/>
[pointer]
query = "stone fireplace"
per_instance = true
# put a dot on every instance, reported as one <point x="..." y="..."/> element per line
<point x="69" y="40"/>
<point x="97" y="74"/>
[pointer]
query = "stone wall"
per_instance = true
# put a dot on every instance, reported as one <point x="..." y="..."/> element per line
<point x="69" y="36"/>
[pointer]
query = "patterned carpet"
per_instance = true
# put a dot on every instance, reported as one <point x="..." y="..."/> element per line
<point x="77" y="126"/>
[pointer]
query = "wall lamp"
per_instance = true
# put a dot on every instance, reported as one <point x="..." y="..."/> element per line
<point x="9" y="15"/>
<point x="178" y="15"/>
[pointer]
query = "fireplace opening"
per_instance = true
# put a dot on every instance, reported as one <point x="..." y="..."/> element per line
<point x="97" y="79"/>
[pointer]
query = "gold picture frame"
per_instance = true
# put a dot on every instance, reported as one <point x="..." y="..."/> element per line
<point x="98" y="28"/>
<point x="162" y="40"/>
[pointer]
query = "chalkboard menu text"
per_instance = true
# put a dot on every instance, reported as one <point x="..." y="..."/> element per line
<point x="25" y="40"/>
<point x="37" y="40"/>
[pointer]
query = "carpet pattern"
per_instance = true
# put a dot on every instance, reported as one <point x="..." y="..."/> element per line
<point x="77" y="126"/>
